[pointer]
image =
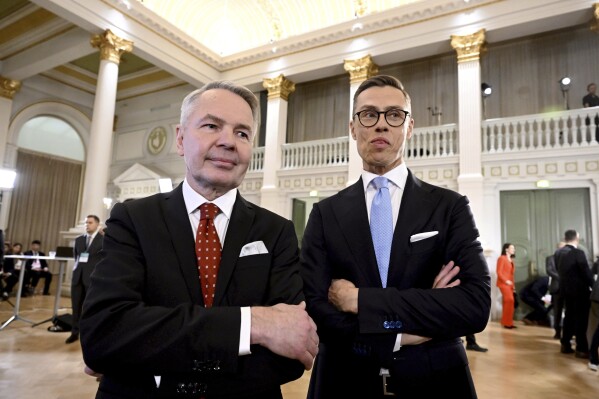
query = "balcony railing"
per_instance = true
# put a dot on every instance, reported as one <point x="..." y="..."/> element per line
<point x="558" y="130"/>
<point x="314" y="154"/>
<point x="433" y="142"/>
<point x="257" y="162"/>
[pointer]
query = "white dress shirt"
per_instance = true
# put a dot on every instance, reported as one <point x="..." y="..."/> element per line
<point x="397" y="183"/>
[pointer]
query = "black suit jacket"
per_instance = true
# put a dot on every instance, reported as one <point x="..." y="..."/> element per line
<point x="83" y="271"/>
<point x="337" y="244"/>
<point x="551" y="270"/>
<point x="29" y="262"/>
<point x="574" y="272"/>
<point x="144" y="314"/>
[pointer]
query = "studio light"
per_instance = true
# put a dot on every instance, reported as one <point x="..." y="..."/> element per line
<point x="486" y="89"/>
<point x="7" y="178"/>
<point x="564" y="84"/>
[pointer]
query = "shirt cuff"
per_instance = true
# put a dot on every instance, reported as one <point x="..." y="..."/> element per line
<point x="244" y="333"/>
<point x="397" y="345"/>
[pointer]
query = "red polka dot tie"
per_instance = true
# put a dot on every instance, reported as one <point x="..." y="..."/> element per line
<point x="208" y="251"/>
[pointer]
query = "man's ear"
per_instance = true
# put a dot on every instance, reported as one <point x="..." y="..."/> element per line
<point x="351" y="129"/>
<point x="179" y="138"/>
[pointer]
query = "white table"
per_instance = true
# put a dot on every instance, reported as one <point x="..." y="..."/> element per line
<point x="62" y="262"/>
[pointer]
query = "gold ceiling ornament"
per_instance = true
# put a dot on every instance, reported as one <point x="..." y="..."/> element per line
<point x="595" y="20"/>
<point x="360" y="69"/>
<point x="9" y="87"/>
<point x="279" y="87"/>
<point x="360" y="8"/>
<point x="111" y="46"/>
<point x="469" y="47"/>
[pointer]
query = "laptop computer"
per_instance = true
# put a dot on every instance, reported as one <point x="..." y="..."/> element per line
<point x="64" y="252"/>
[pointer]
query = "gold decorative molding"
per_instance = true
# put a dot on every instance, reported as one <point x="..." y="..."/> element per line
<point x="111" y="46"/>
<point x="360" y="69"/>
<point x="469" y="47"/>
<point x="9" y="87"/>
<point x="595" y="20"/>
<point x="279" y="87"/>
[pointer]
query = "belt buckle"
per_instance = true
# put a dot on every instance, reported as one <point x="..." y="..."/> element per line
<point x="386" y="392"/>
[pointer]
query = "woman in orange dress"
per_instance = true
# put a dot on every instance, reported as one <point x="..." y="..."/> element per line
<point x="505" y="282"/>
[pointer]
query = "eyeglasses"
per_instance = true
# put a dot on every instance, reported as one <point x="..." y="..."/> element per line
<point x="394" y="117"/>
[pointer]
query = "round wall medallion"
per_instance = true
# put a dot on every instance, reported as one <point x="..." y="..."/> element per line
<point x="157" y="140"/>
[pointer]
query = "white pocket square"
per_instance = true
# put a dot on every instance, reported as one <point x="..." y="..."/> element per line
<point x="423" y="236"/>
<point x="253" y="248"/>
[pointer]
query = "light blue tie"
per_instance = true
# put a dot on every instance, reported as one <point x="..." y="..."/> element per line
<point x="381" y="225"/>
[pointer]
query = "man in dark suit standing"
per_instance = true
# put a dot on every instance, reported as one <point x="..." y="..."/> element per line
<point x="38" y="268"/>
<point x="87" y="255"/>
<point x="557" y="302"/>
<point x="575" y="281"/>
<point x="383" y="329"/>
<point x="151" y="324"/>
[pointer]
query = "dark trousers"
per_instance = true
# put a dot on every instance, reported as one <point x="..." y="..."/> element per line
<point x="78" y="292"/>
<point x="575" y="321"/>
<point x="35" y="278"/>
<point x="557" y="302"/>
<point x="594" y="356"/>
<point x="539" y="312"/>
<point x="470" y="339"/>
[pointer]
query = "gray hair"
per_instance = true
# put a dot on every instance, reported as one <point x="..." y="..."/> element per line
<point x="243" y="92"/>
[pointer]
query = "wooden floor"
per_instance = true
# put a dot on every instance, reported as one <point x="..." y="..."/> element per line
<point x="521" y="363"/>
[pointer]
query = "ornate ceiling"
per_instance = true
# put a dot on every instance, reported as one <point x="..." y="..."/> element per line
<point x="228" y="27"/>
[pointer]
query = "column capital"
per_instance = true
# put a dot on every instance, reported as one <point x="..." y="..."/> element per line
<point x="595" y="20"/>
<point x="360" y="69"/>
<point x="111" y="46"/>
<point x="8" y="87"/>
<point x="279" y="87"/>
<point x="469" y="47"/>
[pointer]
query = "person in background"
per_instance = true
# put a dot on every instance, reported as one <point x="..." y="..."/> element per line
<point x="505" y="282"/>
<point x="38" y="268"/>
<point x="532" y="294"/>
<point x="472" y="345"/>
<point x="8" y="274"/>
<point x="592" y="100"/>
<point x="198" y="293"/>
<point x="593" y="327"/>
<point x="372" y="259"/>
<point x="575" y="285"/>
<point x="557" y="302"/>
<point x="87" y="255"/>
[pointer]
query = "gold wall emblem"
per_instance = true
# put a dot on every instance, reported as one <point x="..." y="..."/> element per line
<point x="157" y="140"/>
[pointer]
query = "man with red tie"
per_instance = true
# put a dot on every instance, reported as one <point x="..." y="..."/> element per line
<point x="199" y="293"/>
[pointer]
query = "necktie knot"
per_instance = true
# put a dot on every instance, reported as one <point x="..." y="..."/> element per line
<point x="380" y="182"/>
<point x="208" y="211"/>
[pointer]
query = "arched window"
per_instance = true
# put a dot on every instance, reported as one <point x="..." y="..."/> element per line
<point x="50" y="135"/>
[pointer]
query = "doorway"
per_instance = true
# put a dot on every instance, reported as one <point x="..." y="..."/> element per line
<point x="535" y="221"/>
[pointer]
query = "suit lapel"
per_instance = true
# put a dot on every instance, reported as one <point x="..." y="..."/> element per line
<point x="179" y="227"/>
<point x="352" y="216"/>
<point x="242" y="218"/>
<point x="417" y="206"/>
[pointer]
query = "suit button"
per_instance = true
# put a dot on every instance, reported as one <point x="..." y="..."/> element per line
<point x="386" y="324"/>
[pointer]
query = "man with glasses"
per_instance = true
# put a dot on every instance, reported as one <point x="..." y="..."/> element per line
<point x="372" y="256"/>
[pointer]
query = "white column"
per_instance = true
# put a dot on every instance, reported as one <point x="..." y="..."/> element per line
<point x="359" y="70"/>
<point x="8" y="89"/>
<point x="279" y="89"/>
<point x="470" y="179"/>
<point x="99" y="150"/>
